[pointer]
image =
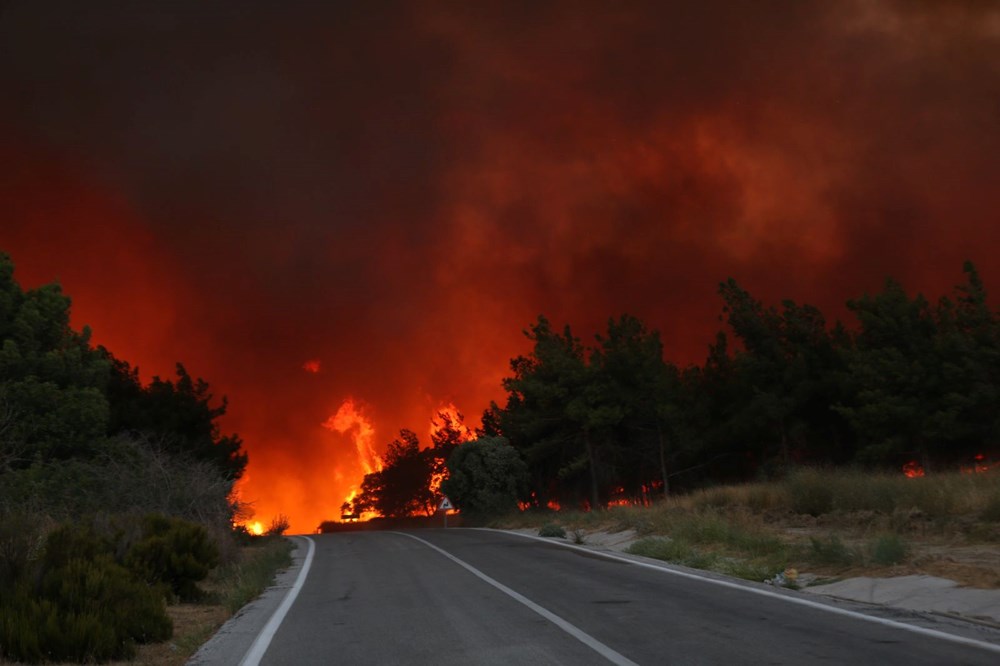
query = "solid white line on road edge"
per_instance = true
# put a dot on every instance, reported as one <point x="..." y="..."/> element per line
<point x="992" y="647"/>
<point x="572" y="630"/>
<point x="263" y="640"/>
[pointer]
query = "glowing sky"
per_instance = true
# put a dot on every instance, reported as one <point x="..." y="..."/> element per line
<point x="311" y="202"/>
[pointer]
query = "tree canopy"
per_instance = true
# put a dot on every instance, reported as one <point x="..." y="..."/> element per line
<point x="615" y="421"/>
<point x="65" y="403"/>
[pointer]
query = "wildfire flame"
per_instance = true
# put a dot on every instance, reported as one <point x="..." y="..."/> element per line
<point x="351" y="418"/>
<point x="312" y="366"/>
<point x="618" y="497"/>
<point x="448" y="415"/>
<point x="348" y="516"/>
<point x="256" y="528"/>
<point x="980" y="465"/>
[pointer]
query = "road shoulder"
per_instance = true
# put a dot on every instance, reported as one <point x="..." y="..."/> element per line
<point x="234" y="638"/>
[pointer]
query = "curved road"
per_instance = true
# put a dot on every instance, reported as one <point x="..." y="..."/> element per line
<point x="465" y="596"/>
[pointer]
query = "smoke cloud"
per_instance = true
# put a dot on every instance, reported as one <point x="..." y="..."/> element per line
<point x="315" y="205"/>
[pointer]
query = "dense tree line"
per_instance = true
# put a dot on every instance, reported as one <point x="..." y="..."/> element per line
<point x="780" y="387"/>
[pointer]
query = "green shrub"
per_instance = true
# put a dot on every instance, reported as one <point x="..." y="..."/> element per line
<point x="20" y="538"/>
<point x="82" y="611"/>
<point x="552" y="530"/>
<point x="174" y="552"/>
<point x="831" y="551"/>
<point x="675" y="550"/>
<point x="74" y="541"/>
<point x="486" y="478"/>
<point x="888" y="549"/>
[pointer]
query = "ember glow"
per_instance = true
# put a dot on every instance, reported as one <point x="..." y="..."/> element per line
<point x="980" y="465"/>
<point x="399" y="189"/>
<point x="913" y="470"/>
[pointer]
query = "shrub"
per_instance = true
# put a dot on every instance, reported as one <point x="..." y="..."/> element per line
<point x="75" y="541"/>
<point x="485" y="477"/>
<point x="552" y="530"/>
<point x="279" y="525"/>
<point x="888" y="549"/>
<point x="991" y="509"/>
<point x="677" y="551"/>
<point x="20" y="539"/>
<point x="831" y="551"/>
<point x="760" y="498"/>
<point x="83" y="610"/>
<point x="810" y="493"/>
<point x="173" y="552"/>
<point x="715" y="498"/>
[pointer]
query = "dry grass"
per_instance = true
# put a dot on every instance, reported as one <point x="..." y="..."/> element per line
<point x="833" y="524"/>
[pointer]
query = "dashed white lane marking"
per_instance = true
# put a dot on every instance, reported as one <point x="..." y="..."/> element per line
<point x="992" y="647"/>
<point x="572" y="630"/>
<point x="263" y="640"/>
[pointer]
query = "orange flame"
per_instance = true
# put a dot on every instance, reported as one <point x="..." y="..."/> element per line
<point x="256" y="528"/>
<point x="980" y="465"/>
<point x="350" y="418"/>
<point x="913" y="469"/>
<point x="312" y="366"/>
<point x="354" y="517"/>
<point x="448" y="414"/>
<point x="436" y="479"/>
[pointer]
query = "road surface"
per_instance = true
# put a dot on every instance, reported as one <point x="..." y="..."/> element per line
<point x="483" y="597"/>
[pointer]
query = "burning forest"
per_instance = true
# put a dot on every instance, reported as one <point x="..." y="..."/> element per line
<point x="346" y="227"/>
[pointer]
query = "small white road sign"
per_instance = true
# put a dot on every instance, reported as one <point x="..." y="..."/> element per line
<point x="446" y="505"/>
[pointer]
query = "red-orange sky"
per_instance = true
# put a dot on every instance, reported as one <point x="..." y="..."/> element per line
<point x="310" y="202"/>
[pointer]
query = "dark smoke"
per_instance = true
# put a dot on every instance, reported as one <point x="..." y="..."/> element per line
<point x="397" y="189"/>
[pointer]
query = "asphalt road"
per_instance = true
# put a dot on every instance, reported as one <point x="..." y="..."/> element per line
<point x="482" y="597"/>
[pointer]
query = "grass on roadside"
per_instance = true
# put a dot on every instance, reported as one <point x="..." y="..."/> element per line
<point x="239" y="583"/>
<point x="829" y="521"/>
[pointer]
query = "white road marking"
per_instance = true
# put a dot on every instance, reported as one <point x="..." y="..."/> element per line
<point x="263" y="640"/>
<point x="992" y="647"/>
<point x="572" y="630"/>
